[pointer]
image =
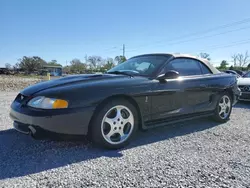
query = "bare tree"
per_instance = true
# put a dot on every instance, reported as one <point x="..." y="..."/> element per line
<point x="8" y="66"/>
<point x="241" y="59"/>
<point x="16" y="66"/>
<point x="235" y="57"/>
<point x="205" y="56"/>
<point x="95" y="61"/>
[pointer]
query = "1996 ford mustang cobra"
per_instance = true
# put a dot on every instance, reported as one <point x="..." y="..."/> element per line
<point x="145" y="91"/>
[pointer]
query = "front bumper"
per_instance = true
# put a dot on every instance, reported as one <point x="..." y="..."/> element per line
<point x="245" y="96"/>
<point x="236" y="96"/>
<point x="66" y="121"/>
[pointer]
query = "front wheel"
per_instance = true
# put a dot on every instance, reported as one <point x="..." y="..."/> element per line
<point x="223" y="108"/>
<point x="114" y="124"/>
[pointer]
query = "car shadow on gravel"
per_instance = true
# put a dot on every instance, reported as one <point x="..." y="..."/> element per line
<point x="21" y="155"/>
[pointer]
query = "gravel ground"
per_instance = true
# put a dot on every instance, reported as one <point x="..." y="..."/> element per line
<point x="16" y="83"/>
<point x="198" y="153"/>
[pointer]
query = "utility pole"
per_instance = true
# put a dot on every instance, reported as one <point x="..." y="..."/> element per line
<point x="123" y="50"/>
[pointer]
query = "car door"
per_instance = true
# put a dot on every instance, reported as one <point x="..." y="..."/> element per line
<point x="199" y="90"/>
<point x="205" y="90"/>
<point x="177" y="97"/>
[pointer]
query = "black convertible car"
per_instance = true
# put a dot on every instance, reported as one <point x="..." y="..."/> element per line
<point x="144" y="92"/>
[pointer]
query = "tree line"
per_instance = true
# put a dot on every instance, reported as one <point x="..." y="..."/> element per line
<point x="241" y="61"/>
<point x="90" y="64"/>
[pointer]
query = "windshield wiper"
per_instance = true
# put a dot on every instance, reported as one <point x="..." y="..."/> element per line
<point x="120" y="72"/>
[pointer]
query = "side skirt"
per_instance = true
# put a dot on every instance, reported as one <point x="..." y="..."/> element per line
<point x="177" y="119"/>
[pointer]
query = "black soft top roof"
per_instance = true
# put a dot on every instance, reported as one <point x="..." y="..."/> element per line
<point x="178" y="55"/>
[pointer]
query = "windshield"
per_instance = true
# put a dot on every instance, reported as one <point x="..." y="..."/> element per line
<point x="141" y="65"/>
<point x="247" y="75"/>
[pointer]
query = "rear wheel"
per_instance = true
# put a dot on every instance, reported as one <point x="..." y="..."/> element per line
<point x="223" y="108"/>
<point x="114" y="124"/>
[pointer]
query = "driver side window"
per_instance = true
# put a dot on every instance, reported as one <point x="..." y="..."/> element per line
<point x="185" y="67"/>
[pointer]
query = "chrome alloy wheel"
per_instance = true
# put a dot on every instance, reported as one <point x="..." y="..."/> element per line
<point x="117" y="124"/>
<point x="224" y="107"/>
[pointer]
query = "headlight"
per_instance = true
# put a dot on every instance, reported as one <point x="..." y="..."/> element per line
<point x="47" y="103"/>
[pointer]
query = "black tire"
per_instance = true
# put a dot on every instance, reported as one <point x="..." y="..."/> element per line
<point x="96" y="133"/>
<point x="217" y="117"/>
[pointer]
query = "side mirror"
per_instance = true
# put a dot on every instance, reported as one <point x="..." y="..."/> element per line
<point x="169" y="75"/>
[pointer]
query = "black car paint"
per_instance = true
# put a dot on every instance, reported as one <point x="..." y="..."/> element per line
<point x="157" y="101"/>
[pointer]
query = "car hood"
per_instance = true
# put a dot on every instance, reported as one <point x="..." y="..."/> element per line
<point x="243" y="81"/>
<point x="74" y="79"/>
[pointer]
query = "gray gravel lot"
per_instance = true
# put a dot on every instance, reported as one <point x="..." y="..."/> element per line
<point x="198" y="153"/>
<point x="16" y="83"/>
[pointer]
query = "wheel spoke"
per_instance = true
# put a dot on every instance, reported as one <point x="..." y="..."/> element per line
<point x="224" y="100"/>
<point x="130" y="120"/>
<point x="221" y="104"/>
<point x="118" y="113"/>
<point x="222" y="111"/>
<point x="122" y="135"/>
<point x="109" y="121"/>
<point x="111" y="132"/>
